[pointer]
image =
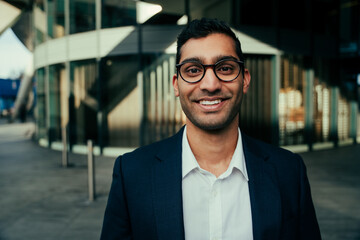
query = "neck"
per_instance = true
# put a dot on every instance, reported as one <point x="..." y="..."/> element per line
<point x="214" y="149"/>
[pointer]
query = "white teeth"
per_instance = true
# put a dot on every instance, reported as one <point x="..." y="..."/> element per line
<point x="205" y="102"/>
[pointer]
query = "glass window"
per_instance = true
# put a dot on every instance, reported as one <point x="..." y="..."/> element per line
<point x="358" y="125"/>
<point x="322" y="101"/>
<point x="343" y="120"/>
<point x="321" y="111"/>
<point x="56" y="79"/>
<point x="162" y="110"/>
<point x="39" y="22"/>
<point x="249" y="11"/>
<point x="255" y="110"/>
<point x="56" y="18"/>
<point x="83" y="102"/>
<point x="118" y="13"/>
<point x="291" y="101"/>
<point x="204" y="8"/>
<point x="41" y="104"/>
<point x="119" y="100"/>
<point x="82" y="16"/>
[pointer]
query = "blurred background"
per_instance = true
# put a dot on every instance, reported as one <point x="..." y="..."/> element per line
<point x="101" y="70"/>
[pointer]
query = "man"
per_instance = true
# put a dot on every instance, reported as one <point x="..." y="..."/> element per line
<point x="209" y="181"/>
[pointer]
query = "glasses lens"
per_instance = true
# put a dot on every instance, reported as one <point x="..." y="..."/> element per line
<point x="191" y="71"/>
<point x="227" y="70"/>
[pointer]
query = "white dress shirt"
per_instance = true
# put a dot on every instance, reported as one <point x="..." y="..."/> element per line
<point x="215" y="208"/>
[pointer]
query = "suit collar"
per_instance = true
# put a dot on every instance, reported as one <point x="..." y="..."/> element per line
<point x="263" y="188"/>
<point x="264" y="192"/>
<point x="189" y="161"/>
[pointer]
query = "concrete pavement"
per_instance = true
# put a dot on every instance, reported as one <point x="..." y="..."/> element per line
<point x="42" y="200"/>
<point x="334" y="176"/>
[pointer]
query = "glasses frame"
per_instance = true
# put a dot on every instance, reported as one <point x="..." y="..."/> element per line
<point x="206" y="66"/>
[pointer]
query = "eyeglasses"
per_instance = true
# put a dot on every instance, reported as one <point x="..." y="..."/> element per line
<point x="225" y="70"/>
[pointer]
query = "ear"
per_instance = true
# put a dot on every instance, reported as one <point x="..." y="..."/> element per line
<point x="246" y="80"/>
<point x="175" y="85"/>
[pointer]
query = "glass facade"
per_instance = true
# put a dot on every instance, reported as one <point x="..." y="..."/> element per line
<point x="56" y="80"/>
<point x="41" y="114"/>
<point x="343" y="121"/>
<point x="83" y="102"/>
<point x="291" y="101"/>
<point x="112" y="9"/>
<point x="120" y="98"/>
<point x="255" y="112"/>
<point x="56" y="18"/>
<point x="322" y="101"/>
<point x="162" y="111"/>
<point x="39" y="23"/>
<point x="82" y="16"/>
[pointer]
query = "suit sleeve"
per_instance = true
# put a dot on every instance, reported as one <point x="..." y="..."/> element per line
<point x="116" y="223"/>
<point x="309" y="227"/>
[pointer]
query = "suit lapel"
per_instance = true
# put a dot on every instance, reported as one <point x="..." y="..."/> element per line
<point x="167" y="194"/>
<point x="264" y="192"/>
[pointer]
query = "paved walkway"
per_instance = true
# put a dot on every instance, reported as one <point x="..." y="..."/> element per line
<point x="335" y="181"/>
<point x="44" y="201"/>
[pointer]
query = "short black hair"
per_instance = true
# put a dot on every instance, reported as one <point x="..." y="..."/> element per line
<point x="202" y="28"/>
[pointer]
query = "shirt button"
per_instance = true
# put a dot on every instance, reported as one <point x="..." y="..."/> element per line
<point x="214" y="194"/>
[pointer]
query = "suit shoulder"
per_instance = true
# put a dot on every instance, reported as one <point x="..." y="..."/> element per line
<point x="273" y="153"/>
<point x="265" y="146"/>
<point x="147" y="152"/>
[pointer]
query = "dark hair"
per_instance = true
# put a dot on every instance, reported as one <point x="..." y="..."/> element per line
<point x="202" y="28"/>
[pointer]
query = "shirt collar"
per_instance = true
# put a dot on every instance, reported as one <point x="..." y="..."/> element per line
<point x="189" y="162"/>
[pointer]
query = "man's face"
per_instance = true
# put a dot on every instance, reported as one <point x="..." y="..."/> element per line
<point x="210" y="104"/>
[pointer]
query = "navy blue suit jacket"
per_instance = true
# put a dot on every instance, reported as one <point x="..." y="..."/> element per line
<point x="145" y="200"/>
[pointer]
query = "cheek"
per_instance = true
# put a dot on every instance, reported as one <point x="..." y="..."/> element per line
<point x="184" y="91"/>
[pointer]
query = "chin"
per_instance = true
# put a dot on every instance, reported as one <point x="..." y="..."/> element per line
<point x="211" y="126"/>
<point x="208" y="123"/>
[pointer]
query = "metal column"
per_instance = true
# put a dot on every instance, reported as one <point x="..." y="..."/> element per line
<point x="309" y="107"/>
<point x="275" y="89"/>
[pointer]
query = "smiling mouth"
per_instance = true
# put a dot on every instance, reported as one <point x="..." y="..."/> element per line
<point x="209" y="103"/>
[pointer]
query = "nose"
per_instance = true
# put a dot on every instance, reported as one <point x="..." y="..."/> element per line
<point x="210" y="82"/>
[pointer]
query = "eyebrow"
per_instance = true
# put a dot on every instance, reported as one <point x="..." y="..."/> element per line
<point x="215" y="59"/>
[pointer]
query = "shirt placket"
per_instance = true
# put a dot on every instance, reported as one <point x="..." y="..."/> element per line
<point x="215" y="214"/>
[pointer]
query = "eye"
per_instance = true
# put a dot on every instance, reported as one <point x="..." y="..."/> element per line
<point x="226" y="67"/>
<point x="192" y="69"/>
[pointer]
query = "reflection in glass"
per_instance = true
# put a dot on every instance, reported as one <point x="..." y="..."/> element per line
<point x="162" y="111"/>
<point x="120" y="100"/>
<point x="255" y="110"/>
<point x="343" y="119"/>
<point x="82" y="16"/>
<point x="39" y="22"/>
<point x="118" y="13"/>
<point x="56" y="79"/>
<point x="41" y="104"/>
<point x="83" y="103"/>
<point x="56" y="18"/>
<point x="321" y="111"/>
<point x="322" y="101"/>
<point x="291" y="101"/>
